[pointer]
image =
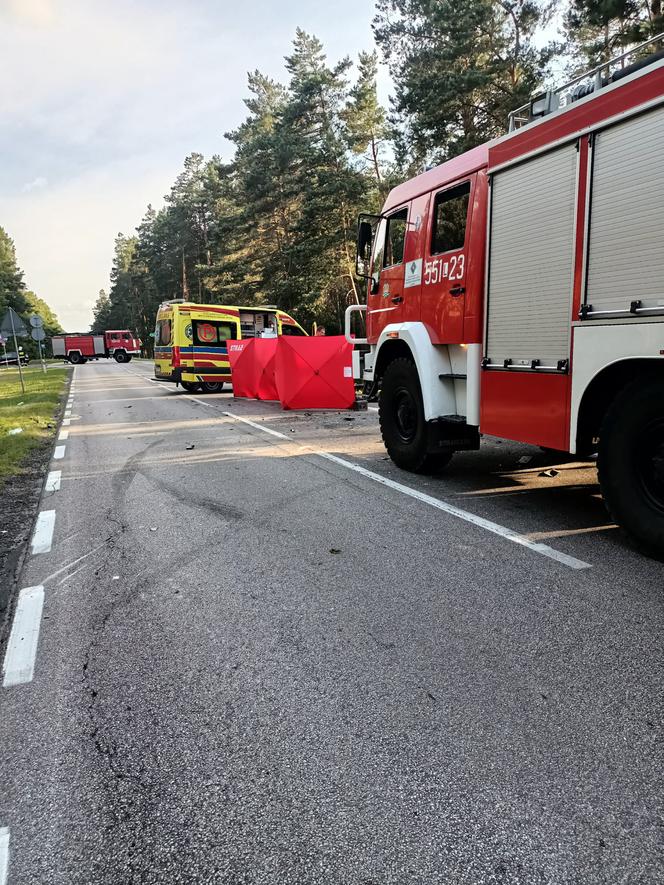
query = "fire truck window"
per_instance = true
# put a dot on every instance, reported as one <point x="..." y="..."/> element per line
<point x="212" y="334"/>
<point x="163" y="334"/>
<point x="396" y="238"/>
<point x="449" y="220"/>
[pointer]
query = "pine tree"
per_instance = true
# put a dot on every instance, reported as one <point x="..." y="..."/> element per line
<point x="459" y="68"/>
<point x="12" y="287"/>
<point x="101" y="313"/>
<point x="597" y="30"/>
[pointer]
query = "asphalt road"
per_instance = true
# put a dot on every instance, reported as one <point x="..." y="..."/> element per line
<point x="258" y="665"/>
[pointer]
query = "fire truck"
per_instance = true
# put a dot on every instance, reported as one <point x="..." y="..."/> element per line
<point x="517" y="290"/>
<point x="79" y="347"/>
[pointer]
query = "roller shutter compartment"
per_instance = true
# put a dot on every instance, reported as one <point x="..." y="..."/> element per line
<point x="531" y="260"/>
<point x="626" y="239"/>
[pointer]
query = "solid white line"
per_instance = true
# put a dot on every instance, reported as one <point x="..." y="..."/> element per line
<point x="53" y="481"/>
<point x="42" y="538"/>
<point x="64" y="436"/>
<point x="4" y="854"/>
<point x="486" y="524"/>
<point x="19" y="664"/>
<point x="59" y="452"/>
<point x="66" y="422"/>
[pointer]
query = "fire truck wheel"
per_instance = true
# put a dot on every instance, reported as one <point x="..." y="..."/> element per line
<point x="121" y="357"/>
<point x="75" y="358"/>
<point x="190" y="386"/>
<point x="402" y="424"/>
<point x="212" y="386"/>
<point x="631" y="463"/>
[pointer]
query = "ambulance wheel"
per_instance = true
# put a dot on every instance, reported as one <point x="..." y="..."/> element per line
<point x="121" y="357"/>
<point x="403" y="426"/>
<point x="212" y="386"/>
<point x="190" y="386"/>
<point x="630" y="463"/>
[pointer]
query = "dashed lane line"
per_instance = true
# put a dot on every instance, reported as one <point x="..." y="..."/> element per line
<point x="59" y="452"/>
<point x="42" y="537"/>
<point x="63" y="436"/>
<point x="479" y="521"/>
<point x="66" y="422"/>
<point x="19" y="663"/>
<point x="4" y="854"/>
<point x="53" y="481"/>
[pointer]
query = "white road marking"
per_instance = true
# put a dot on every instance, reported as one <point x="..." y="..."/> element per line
<point x="59" y="452"/>
<point x="479" y="521"/>
<point x="67" y="413"/>
<point x="42" y="537"/>
<point x="66" y="422"/>
<point x="19" y="664"/>
<point x="53" y="481"/>
<point x="4" y="854"/>
<point x="64" y="436"/>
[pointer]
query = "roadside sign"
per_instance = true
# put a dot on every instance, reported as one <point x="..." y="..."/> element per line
<point x="12" y="324"/>
<point x="38" y="334"/>
<point x="36" y="322"/>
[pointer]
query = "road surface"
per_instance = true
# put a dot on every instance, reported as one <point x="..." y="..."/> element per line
<point x="237" y="660"/>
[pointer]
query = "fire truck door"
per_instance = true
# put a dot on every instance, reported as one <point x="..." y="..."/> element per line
<point x="397" y="267"/>
<point x="444" y="277"/>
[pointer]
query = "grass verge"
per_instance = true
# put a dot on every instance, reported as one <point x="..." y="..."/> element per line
<point x="33" y="412"/>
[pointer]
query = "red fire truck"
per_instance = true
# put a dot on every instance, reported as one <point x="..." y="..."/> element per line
<point x="79" y="347"/>
<point x="518" y="290"/>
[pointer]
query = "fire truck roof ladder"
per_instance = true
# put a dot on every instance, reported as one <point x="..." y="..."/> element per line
<point x="585" y="84"/>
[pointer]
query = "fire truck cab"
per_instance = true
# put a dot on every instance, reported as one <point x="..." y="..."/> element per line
<point x="518" y="291"/>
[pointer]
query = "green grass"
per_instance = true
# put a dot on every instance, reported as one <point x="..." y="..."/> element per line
<point x="34" y="411"/>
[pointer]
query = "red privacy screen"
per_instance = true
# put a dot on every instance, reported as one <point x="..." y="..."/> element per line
<point x="315" y="373"/>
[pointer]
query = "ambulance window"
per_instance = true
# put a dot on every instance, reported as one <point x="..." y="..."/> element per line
<point x="450" y="214"/>
<point x="163" y="335"/>
<point x="209" y="333"/>
<point x="291" y="330"/>
<point x="395" y="238"/>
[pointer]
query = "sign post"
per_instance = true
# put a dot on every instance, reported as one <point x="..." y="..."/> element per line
<point x="18" y="355"/>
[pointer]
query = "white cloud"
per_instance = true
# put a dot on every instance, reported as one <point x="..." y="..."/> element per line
<point x="35" y="184"/>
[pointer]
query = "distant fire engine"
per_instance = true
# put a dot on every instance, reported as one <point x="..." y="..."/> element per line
<point x="78" y="347"/>
<point x="518" y="290"/>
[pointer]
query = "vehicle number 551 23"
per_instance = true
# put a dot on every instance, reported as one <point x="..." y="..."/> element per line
<point x="439" y="269"/>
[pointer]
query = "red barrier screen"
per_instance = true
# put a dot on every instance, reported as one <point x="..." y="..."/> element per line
<point x="315" y="373"/>
<point x="243" y="372"/>
<point x="252" y="367"/>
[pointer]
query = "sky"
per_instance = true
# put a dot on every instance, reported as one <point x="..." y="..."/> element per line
<point x="100" y="102"/>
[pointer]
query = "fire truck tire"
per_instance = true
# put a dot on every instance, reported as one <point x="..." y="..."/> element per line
<point x="631" y="463"/>
<point x="75" y="358"/>
<point x="403" y="426"/>
<point x="121" y="357"/>
<point x="212" y="386"/>
<point x="190" y="386"/>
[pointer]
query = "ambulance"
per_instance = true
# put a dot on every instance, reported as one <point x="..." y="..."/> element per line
<point x="190" y="340"/>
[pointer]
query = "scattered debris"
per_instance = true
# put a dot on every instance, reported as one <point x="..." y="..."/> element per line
<point x="129" y="407"/>
<point x="549" y="472"/>
<point x="348" y="418"/>
<point x="190" y="447"/>
<point x="334" y="550"/>
<point x="153" y="528"/>
<point x="115" y="578"/>
<point x="14" y="431"/>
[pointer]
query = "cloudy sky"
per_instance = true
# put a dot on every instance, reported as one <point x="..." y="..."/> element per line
<point x="101" y="101"/>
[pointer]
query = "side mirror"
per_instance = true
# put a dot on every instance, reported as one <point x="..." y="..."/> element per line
<point x="365" y="235"/>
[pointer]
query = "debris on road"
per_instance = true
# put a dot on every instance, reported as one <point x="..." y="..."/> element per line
<point x="549" y="472"/>
<point x="334" y="550"/>
<point x="190" y="447"/>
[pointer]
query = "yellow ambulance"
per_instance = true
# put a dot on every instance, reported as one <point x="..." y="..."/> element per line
<point x="190" y="340"/>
